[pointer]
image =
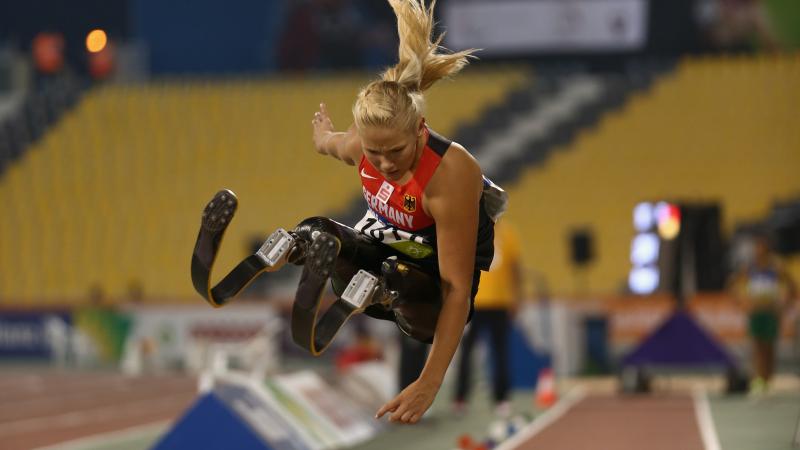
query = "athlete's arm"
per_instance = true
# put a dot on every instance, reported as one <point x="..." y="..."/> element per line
<point x="452" y="198"/>
<point x="344" y="146"/>
<point x="791" y="289"/>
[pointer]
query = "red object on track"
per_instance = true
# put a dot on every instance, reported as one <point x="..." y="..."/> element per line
<point x="546" y="395"/>
<point x="465" y="442"/>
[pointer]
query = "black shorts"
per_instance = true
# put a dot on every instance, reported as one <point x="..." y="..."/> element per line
<point x="378" y="312"/>
<point x="362" y="252"/>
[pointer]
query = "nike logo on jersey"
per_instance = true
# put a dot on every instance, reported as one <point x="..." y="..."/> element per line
<point x="366" y="175"/>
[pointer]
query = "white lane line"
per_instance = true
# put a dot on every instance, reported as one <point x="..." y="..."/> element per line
<point x="545" y="419"/>
<point x="702" y="411"/>
<point x="105" y="439"/>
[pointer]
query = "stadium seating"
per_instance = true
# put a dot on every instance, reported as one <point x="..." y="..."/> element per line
<point x="715" y="129"/>
<point x="111" y="196"/>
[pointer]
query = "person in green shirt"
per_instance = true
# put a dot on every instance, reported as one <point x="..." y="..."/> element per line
<point x="765" y="291"/>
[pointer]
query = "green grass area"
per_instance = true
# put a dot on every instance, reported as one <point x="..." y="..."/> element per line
<point x="441" y="429"/>
<point x="138" y="439"/>
<point x="767" y="423"/>
<point x="785" y="17"/>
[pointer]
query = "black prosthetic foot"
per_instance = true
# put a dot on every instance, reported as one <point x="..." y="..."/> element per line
<point x="219" y="211"/>
<point x="320" y="262"/>
<point x="216" y="217"/>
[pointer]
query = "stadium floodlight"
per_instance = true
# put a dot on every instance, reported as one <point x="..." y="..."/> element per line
<point x="644" y="249"/>
<point x="668" y="217"/>
<point x="96" y="41"/>
<point x="643" y="217"/>
<point x="643" y="280"/>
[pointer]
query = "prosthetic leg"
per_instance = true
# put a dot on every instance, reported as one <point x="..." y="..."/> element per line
<point x="365" y="275"/>
<point x="215" y="220"/>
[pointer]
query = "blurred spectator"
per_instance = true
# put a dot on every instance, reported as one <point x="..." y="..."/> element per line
<point x="495" y="304"/>
<point x="339" y="25"/>
<point x="765" y="291"/>
<point x="102" y="62"/>
<point x="298" y="45"/>
<point x="736" y="24"/>
<point x="364" y="348"/>
<point x="135" y="294"/>
<point x="97" y="296"/>
<point x="48" y="52"/>
<point x="379" y="37"/>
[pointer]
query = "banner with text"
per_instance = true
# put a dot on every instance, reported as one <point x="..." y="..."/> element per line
<point x="504" y="27"/>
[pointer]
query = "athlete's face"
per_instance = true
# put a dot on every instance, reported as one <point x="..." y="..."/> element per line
<point x="393" y="152"/>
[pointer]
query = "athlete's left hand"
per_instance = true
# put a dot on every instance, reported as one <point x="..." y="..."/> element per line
<point x="322" y="128"/>
<point x="410" y="404"/>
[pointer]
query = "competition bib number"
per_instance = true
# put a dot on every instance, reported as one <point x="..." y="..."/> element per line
<point x="409" y="244"/>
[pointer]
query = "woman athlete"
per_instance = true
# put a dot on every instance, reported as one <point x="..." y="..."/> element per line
<point x="416" y="256"/>
<point x="426" y="195"/>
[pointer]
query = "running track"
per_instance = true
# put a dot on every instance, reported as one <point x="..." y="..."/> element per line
<point x="48" y="408"/>
<point x="668" y="422"/>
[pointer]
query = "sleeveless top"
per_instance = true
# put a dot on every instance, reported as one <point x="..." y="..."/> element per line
<point x="763" y="287"/>
<point x="396" y="218"/>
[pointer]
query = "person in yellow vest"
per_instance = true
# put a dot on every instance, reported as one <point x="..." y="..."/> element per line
<point x="495" y="305"/>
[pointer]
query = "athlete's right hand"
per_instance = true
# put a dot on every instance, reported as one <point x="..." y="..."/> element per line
<point x="322" y="128"/>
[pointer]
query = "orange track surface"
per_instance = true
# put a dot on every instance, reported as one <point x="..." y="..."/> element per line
<point x="45" y="409"/>
<point x="622" y="423"/>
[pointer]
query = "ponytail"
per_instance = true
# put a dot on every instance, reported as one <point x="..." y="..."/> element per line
<point x="396" y="99"/>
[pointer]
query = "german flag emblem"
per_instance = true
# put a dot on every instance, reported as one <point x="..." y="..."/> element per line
<point x="410" y="203"/>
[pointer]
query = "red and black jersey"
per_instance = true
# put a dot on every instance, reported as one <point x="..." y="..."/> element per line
<point x="395" y="215"/>
<point x="401" y="204"/>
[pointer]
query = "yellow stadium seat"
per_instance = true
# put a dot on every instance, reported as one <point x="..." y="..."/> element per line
<point x="719" y="129"/>
<point x="114" y="191"/>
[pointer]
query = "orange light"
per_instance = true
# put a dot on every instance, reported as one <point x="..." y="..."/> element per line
<point x="669" y="229"/>
<point x="669" y="220"/>
<point x="96" y="41"/>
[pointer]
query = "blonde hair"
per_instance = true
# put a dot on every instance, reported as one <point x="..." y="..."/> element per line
<point x="396" y="100"/>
